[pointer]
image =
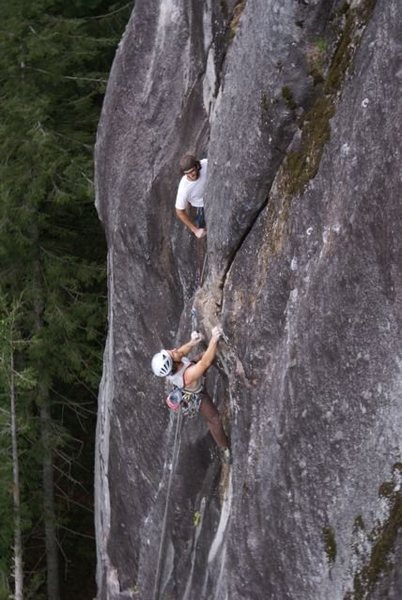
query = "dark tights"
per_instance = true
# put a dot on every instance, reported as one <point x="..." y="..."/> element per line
<point x="210" y="413"/>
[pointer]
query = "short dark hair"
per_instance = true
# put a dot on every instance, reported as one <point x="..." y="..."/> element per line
<point x="188" y="162"/>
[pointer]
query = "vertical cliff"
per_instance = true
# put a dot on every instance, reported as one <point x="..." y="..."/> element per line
<point x="296" y="104"/>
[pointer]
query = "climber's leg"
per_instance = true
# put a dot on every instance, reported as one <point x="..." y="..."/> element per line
<point x="210" y="413"/>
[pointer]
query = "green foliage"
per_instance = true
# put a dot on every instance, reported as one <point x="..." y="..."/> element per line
<point x="4" y="593"/>
<point x="320" y="44"/>
<point x="9" y="375"/>
<point x="54" y="62"/>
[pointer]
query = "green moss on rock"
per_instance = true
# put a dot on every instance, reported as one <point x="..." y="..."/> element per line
<point x="386" y="489"/>
<point x="380" y="559"/>
<point x="224" y="8"/>
<point x="235" y="20"/>
<point x="358" y="524"/>
<point x="383" y="542"/>
<point x="264" y="104"/>
<point x="302" y="164"/>
<point x="287" y="95"/>
<point x="330" y="544"/>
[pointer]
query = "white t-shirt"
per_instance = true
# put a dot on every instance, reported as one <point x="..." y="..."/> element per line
<point x="192" y="191"/>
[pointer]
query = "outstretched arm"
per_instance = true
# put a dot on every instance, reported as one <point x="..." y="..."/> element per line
<point x="196" y="338"/>
<point x="184" y="218"/>
<point x="196" y="371"/>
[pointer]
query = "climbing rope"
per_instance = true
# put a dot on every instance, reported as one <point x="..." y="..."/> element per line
<point x="203" y="269"/>
<point x="176" y="448"/>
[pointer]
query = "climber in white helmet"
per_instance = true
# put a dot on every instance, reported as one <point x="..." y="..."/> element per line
<point x="191" y="192"/>
<point x="187" y="378"/>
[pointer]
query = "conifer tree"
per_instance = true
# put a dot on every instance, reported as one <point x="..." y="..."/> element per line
<point x="54" y="60"/>
<point x="8" y="392"/>
<point x="13" y="384"/>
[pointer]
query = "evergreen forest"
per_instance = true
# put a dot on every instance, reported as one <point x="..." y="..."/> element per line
<point x="55" y="57"/>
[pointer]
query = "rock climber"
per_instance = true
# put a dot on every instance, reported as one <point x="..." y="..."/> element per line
<point x="191" y="191"/>
<point x="188" y="378"/>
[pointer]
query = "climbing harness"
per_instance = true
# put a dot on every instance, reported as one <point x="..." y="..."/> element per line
<point x="188" y="403"/>
<point x="188" y="400"/>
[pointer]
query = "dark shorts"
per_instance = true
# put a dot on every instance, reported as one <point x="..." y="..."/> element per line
<point x="200" y="218"/>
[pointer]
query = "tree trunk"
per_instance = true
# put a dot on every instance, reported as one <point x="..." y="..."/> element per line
<point x="18" y="564"/>
<point x="52" y="552"/>
<point x="43" y="402"/>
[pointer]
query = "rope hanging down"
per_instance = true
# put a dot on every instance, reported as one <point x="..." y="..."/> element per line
<point x="176" y="448"/>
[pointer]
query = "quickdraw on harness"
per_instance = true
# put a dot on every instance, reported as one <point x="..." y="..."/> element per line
<point x="185" y="401"/>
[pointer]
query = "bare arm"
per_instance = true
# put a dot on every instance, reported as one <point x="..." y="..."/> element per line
<point x="184" y="218"/>
<point x="196" y="371"/>
<point x="196" y="338"/>
<point x="185" y="349"/>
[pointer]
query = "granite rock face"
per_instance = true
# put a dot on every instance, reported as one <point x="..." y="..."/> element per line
<point x="297" y="106"/>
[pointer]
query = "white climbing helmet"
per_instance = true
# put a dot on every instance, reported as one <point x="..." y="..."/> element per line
<point x="162" y="363"/>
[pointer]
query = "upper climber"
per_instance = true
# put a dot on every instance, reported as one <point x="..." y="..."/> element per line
<point x="191" y="191"/>
<point x="187" y="377"/>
